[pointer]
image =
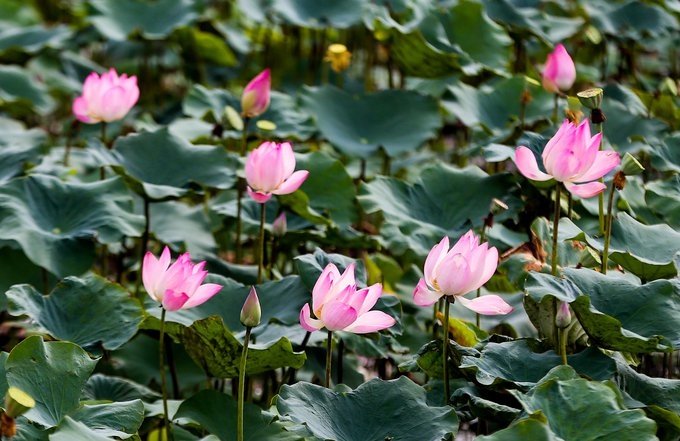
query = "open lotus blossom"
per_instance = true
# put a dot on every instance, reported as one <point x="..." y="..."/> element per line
<point x="176" y="286"/>
<point x="573" y="157"/>
<point x="458" y="271"/>
<point x="255" y="97"/>
<point x="559" y="72"/>
<point x="106" y="98"/>
<point x="339" y="306"/>
<point x="270" y="169"/>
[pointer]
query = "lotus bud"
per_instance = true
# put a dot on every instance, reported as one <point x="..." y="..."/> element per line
<point x="563" y="316"/>
<point x="255" y="97"/>
<point x="338" y="56"/>
<point x="251" y="313"/>
<point x="631" y="166"/>
<point x="591" y="98"/>
<point x="280" y="225"/>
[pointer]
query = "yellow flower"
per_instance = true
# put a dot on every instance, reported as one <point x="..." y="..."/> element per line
<point x="339" y="57"/>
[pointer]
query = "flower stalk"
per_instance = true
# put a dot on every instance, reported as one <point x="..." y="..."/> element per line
<point x="445" y="350"/>
<point x="329" y="359"/>
<point x="164" y="387"/>
<point x="242" y="384"/>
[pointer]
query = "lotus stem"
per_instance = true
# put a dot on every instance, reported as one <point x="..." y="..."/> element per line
<point x="608" y="230"/>
<point x="242" y="384"/>
<point x="164" y="388"/>
<point x="600" y="197"/>
<point x="562" y="333"/>
<point x="556" y="224"/>
<point x="260" y="257"/>
<point x="239" y="189"/>
<point x="445" y="352"/>
<point x="329" y="359"/>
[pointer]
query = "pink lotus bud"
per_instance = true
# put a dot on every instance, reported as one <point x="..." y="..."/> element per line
<point x="559" y="72"/>
<point x="458" y="271"/>
<point x="280" y="225"/>
<point x="563" y="316"/>
<point x="573" y="157"/>
<point x="176" y="286"/>
<point x="270" y="169"/>
<point x="255" y="97"/>
<point x="251" y="312"/>
<point x="106" y="98"/>
<point x="339" y="306"/>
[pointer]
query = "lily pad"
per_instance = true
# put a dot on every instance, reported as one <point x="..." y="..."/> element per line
<point x="55" y="222"/>
<point x="91" y="311"/>
<point x="404" y="413"/>
<point x="359" y="125"/>
<point x="121" y="419"/>
<point x="18" y="86"/>
<point x="319" y="14"/>
<point x="53" y="373"/>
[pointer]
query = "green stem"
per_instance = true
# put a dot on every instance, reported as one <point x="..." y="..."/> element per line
<point x="242" y="384"/>
<point x="482" y="238"/>
<point x="562" y="333"/>
<point x="608" y="230"/>
<point x="445" y="352"/>
<point x="164" y="388"/>
<point x="240" y="186"/>
<point x="600" y="197"/>
<point x="260" y="257"/>
<point x="103" y="135"/>
<point x="329" y="359"/>
<point x="556" y="223"/>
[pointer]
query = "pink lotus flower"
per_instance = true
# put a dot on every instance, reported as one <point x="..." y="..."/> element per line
<point x="573" y="157"/>
<point x="559" y="72"/>
<point x="270" y="170"/>
<point x="456" y="272"/>
<point x="255" y="97"/>
<point x="176" y="286"/>
<point x="339" y="306"/>
<point x="106" y="98"/>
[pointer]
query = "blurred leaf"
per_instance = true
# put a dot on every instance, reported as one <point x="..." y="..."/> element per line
<point x="118" y="19"/>
<point x="53" y="373"/>
<point x="216" y="413"/>
<point x="632" y="19"/>
<point x="663" y="198"/>
<point x="319" y="14"/>
<point x="360" y="125"/>
<point x="162" y="166"/>
<point x="212" y="48"/>
<point x="533" y="428"/>
<point x="291" y="121"/>
<point x="91" y="311"/>
<point x="182" y="226"/>
<point x="346" y="416"/>
<point x="213" y="347"/>
<point x="417" y="215"/>
<point x="18" y="85"/>
<point x="55" y="222"/>
<point x="666" y="155"/>
<point x="33" y="38"/>
<point x="577" y="409"/>
<point x="19" y="147"/>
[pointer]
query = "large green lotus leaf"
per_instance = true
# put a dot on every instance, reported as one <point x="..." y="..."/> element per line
<point x="182" y="226"/>
<point x="28" y="431"/>
<point x="55" y="222"/>
<point x="634" y="19"/>
<point x="32" y="39"/>
<point x="548" y="26"/>
<point x="216" y="413"/>
<point x="629" y="132"/>
<point x="416" y="57"/>
<point x="516" y="362"/>
<point x="646" y="251"/>
<point x="208" y="104"/>
<point x="376" y="410"/>
<point x="663" y="198"/>
<point x="495" y="107"/>
<point x="577" y="409"/>
<point x="118" y="19"/>
<point x="72" y="430"/>
<point x="90" y="311"/>
<point x="666" y="155"/>
<point x="102" y="387"/>
<point x="19" y="147"/>
<point x="161" y="166"/>
<point x="17" y="268"/>
<point x="467" y="28"/>
<point x="213" y="347"/>
<point x="53" y="373"/>
<point x="121" y="419"/>
<point x="319" y="14"/>
<point x="18" y="86"/>
<point x="443" y="201"/>
<point x="359" y="125"/>
<point x="290" y="120"/>
<point x="207" y="47"/>
<point x="534" y="428"/>
<point x="616" y="311"/>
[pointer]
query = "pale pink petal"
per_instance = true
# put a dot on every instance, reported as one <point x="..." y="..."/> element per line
<point x="490" y="265"/>
<point x="373" y="292"/>
<point x="323" y="286"/>
<point x="436" y="254"/>
<point x="423" y="296"/>
<point x="307" y="321"/>
<point x="174" y="300"/>
<point x="336" y="316"/>
<point x="292" y="183"/>
<point x="585" y="190"/>
<point x="527" y="165"/>
<point x="555" y="143"/>
<point x="605" y="161"/>
<point x="258" y="196"/>
<point x="371" y="321"/>
<point x="486" y="305"/>
<point x="454" y="275"/>
<point x="287" y="158"/>
<point x="114" y="105"/>
<point x="465" y="244"/>
<point x="80" y="110"/>
<point x="202" y="294"/>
